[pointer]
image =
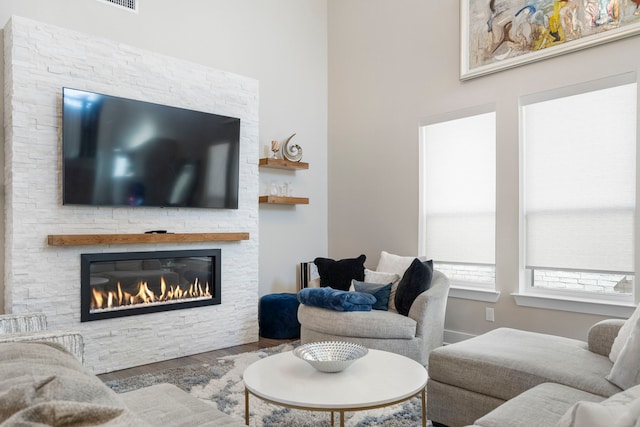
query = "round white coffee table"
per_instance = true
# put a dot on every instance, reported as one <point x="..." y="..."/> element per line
<point x="378" y="379"/>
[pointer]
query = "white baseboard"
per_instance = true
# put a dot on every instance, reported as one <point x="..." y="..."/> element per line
<point x="451" y="337"/>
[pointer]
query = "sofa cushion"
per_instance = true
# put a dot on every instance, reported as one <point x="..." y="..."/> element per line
<point x="542" y="405"/>
<point x="626" y="369"/>
<point x="372" y="276"/>
<point x="168" y="406"/>
<point x="373" y="324"/>
<point x="495" y="364"/>
<point x="338" y="274"/>
<point x="392" y="263"/>
<point x="623" y="335"/>
<point x="379" y="290"/>
<point x="397" y="264"/>
<point x="620" y="410"/>
<point x="60" y="413"/>
<point x="44" y="385"/>
<point x="335" y="299"/>
<point x="416" y="280"/>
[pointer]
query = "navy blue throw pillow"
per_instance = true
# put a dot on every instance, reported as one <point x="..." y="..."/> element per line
<point x="378" y="290"/>
<point x="335" y="299"/>
<point x="416" y="280"/>
<point x="338" y="274"/>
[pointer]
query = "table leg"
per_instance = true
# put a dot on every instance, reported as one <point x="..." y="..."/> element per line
<point x="341" y="418"/>
<point x="332" y="419"/>
<point x="246" y="407"/>
<point x="424" y="407"/>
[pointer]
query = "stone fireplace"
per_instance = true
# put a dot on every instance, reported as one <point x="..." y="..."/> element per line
<point x="41" y="59"/>
<point x="131" y="283"/>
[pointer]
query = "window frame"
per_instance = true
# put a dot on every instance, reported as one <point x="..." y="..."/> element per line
<point x="605" y="304"/>
<point x="459" y="289"/>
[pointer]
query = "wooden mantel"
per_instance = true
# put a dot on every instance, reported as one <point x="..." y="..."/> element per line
<point x="108" y="239"/>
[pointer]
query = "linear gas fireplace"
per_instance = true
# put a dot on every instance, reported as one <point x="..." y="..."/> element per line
<point x="129" y="283"/>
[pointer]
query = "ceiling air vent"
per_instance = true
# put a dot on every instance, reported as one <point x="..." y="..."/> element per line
<point x="130" y="5"/>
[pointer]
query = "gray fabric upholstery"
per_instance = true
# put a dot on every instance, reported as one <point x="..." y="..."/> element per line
<point x="69" y="340"/>
<point x="506" y="362"/>
<point x="168" y="406"/>
<point x="413" y="336"/>
<point x="543" y="405"/>
<point x="33" y="327"/>
<point x="413" y="348"/>
<point x="620" y="410"/>
<point x="376" y="324"/>
<point x="42" y="384"/>
<point x="471" y="378"/>
<point x="456" y="407"/>
<point x="602" y="335"/>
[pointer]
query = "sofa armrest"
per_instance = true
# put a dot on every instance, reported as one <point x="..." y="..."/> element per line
<point x="68" y="340"/>
<point x="33" y="327"/>
<point x="602" y="335"/>
<point x="22" y="323"/>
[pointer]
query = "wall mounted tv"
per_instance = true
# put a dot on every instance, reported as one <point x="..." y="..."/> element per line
<point x="123" y="152"/>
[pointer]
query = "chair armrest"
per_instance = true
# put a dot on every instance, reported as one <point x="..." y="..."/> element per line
<point x="68" y="340"/>
<point x="602" y="335"/>
<point x="25" y="322"/>
<point x="428" y="310"/>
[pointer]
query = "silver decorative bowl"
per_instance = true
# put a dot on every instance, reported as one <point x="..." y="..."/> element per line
<point x="330" y="356"/>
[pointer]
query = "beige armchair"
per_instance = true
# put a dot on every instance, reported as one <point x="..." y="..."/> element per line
<point x="413" y="336"/>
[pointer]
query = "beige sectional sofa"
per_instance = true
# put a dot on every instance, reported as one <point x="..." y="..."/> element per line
<point x="510" y="377"/>
<point x="43" y="382"/>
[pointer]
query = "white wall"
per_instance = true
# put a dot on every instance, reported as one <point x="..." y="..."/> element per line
<point x="280" y="43"/>
<point x="40" y="60"/>
<point x="392" y="64"/>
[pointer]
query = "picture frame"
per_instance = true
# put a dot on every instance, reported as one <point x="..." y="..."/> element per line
<point x="500" y="34"/>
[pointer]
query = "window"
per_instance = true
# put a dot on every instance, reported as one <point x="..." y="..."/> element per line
<point x="458" y="197"/>
<point x="579" y="187"/>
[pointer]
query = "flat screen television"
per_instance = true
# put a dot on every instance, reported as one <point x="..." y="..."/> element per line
<point x="124" y="152"/>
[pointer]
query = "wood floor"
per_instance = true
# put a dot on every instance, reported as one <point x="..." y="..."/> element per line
<point x="188" y="360"/>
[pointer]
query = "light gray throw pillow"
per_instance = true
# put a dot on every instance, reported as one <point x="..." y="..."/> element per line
<point x="382" y="277"/>
<point x="623" y="335"/>
<point x="626" y="369"/>
<point x="620" y="410"/>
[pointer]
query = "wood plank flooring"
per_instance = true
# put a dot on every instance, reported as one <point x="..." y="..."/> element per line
<point x="188" y="360"/>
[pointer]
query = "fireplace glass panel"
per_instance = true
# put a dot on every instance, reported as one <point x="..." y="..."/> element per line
<point x="122" y="284"/>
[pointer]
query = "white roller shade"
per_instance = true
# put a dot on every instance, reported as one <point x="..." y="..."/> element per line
<point x="579" y="180"/>
<point x="459" y="182"/>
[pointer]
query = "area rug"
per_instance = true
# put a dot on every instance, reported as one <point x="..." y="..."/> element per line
<point x="220" y="384"/>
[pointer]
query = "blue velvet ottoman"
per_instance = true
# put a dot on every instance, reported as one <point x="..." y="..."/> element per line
<point x="278" y="316"/>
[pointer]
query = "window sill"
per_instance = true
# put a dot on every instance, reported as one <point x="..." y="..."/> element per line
<point x="576" y="305"/>
<point x="475" y="294"/>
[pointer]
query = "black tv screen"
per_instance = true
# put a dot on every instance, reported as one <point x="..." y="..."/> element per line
<point x="124" y="152"/>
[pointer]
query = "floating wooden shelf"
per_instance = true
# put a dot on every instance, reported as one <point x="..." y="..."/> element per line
<point x="284" y="200"/>
<point x="268" y="162"/>
<point x="108" y="239"/>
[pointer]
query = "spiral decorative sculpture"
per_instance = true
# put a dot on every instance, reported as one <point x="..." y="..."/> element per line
<point x="290" y="151"/>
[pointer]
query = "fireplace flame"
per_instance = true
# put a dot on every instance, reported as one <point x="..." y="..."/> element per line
<point x="143" y="294"/>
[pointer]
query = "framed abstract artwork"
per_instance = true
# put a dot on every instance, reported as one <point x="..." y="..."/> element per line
<point x="501" y="34"/>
